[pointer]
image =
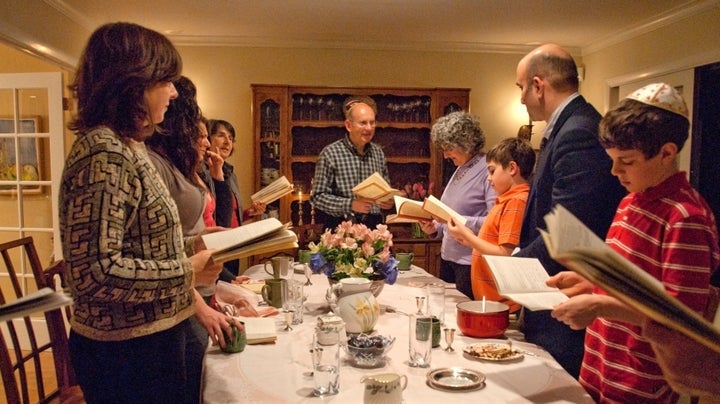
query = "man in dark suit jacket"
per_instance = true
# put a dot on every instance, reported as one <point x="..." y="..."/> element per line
<point x="573" y="170"/>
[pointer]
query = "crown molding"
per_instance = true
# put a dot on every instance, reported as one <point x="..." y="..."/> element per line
<point x="662" y="20"/>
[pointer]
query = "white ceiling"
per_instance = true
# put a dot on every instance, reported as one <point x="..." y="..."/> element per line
<point x="461" y="25"/>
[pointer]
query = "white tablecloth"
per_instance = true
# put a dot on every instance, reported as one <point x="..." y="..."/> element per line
<point x="280" y="373"/>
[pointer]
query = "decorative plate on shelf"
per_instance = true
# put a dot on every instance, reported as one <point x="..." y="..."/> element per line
<point x="493" y="352"/>
<point x="455" y="379"/>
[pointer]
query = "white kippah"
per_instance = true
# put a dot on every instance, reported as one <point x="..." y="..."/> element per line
<point x="663" y="96"/>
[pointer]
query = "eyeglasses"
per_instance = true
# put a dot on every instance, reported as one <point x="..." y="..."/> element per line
<point x="364" y="124"/>
<point x="224" y="136"/>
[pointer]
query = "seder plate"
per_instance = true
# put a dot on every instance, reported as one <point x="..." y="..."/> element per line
<point x="455" y="379"/>
<point x="493" y="352"/>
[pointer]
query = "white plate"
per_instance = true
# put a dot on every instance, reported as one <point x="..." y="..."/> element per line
<point x="497" y="352"/>
<point x="455" y="379"/>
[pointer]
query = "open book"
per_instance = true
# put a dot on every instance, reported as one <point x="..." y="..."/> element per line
<point x="42" y="300"/>
<point x="436" y="207"/>
<point x="376" y="188"/>
<point x="523" y="280"/>
<point x="575" y="246"/>
<point x="259" y="237"/>
<point x="408" y="211"/>
<point x="274" y="191"/>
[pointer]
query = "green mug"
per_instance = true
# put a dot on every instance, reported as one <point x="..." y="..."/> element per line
<point x="435" y="332"/>
<point x="404" y="260"/>
<point x="273" y="292"/>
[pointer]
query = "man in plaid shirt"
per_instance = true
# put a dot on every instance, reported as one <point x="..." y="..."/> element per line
<point x="347" y="162"/>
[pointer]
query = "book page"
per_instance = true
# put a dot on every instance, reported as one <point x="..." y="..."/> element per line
<point x="437" y="208"/>
<point x="394" y="218"/>
<point x="274" y="191"/>
<point x="523" y="280"/>
<point x="570" y="242"/>
<point x="376" y="188"/>
<point x="283" y="239"/>
<point x="259" y="329"/>
<point x="569" y="232"/>
<point x="41" y="300"/>
<point x="411" y="209"/>
<point x="241" y="235"/>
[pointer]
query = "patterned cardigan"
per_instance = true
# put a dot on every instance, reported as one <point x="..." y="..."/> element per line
<point x="122" y="241"/>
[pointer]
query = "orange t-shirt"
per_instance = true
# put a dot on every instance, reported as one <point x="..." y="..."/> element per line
<point x="501" y="226"/>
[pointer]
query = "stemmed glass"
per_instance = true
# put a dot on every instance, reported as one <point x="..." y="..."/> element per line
<point x="420" y="302"/>
<point x="449" y="337"/>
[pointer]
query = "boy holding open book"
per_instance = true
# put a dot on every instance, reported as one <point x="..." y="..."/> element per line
<point x="510" y="164"/>
<point x="663" y="226"/>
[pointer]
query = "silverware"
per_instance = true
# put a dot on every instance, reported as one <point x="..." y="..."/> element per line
<point x="391" y="309"/>
<point x="522" y="351"/>
<point x="308" y="272"/>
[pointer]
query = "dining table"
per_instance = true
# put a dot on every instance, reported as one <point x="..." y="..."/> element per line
<point x="281" y="372"/>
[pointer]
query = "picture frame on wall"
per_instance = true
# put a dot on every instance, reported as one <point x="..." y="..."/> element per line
<point x="29" y="153"/>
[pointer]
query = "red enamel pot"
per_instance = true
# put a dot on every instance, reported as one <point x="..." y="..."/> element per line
<point x="490" y="323"/>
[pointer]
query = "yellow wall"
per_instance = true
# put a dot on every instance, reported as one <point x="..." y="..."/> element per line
<point x="667" y="46"/>
<point x="223" y="74"/>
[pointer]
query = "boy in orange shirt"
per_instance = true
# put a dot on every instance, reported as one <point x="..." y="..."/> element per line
<point x="510" y="165"/>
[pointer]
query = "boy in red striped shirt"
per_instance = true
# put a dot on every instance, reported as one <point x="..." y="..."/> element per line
<point x="663" y="226"/>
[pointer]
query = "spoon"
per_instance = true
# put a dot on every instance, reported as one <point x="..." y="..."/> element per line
<point x="308" y="272"/>
<point x="391" y="309"/>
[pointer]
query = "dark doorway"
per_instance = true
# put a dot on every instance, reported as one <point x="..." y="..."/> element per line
<point x="705" y="152"/>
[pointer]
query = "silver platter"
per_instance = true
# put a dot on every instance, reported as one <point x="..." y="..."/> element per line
<point x="455" y="379"/>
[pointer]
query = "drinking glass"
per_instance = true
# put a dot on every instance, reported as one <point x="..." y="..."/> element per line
<point x="420" y="337"/>
<point x="326" y="365"/>
<point x="293" y="300"/>
<point x="436" y="300"/>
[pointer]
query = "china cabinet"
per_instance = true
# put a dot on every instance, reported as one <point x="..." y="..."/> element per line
<point x="292" y="124"/>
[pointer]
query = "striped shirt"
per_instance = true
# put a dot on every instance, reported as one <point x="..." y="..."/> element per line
<point x="339" y="168"/>
<point x="669" y="231"/>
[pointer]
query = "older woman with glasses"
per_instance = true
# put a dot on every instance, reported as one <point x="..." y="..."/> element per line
<point x="347" y="162"/>
<point x="468" y="192"/>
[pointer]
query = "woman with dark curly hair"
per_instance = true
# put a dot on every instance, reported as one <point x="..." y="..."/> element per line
<point x="178" y="150"/>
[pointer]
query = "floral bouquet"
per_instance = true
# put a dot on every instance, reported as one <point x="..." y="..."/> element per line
<point x="353" y="250"/>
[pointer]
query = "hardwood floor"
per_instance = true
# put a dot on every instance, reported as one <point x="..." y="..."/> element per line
<point x="48" y="374"/>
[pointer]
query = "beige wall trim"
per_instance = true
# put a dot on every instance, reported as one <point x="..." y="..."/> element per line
<point x="678" y="14"/>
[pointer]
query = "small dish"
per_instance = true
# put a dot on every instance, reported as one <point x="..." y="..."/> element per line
<point x="493" y="352"/>
<point x="371" y="352"/>
<point x="455" y="379"/>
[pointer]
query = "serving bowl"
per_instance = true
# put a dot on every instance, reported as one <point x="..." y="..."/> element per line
<point x="491" y="322"/>
<point x="368" y="351"/>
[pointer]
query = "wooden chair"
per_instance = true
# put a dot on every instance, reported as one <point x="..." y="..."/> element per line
<point x="20" y="349"/>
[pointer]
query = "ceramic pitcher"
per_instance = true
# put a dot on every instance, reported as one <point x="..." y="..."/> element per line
<point x="385" y="388"/>
<point x="353" y="301"/>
